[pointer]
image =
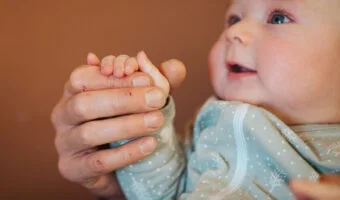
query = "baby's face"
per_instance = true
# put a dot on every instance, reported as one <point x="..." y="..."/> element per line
<point x="283" y="55"/>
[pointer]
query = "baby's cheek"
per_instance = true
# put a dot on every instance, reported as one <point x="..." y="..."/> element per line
<point x="293" y="76"/>
<point x="216" y="67"/>
<point x="282" y="72"/>
<point x="217" y="79"/>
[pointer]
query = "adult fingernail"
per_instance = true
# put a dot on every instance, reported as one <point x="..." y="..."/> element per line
<point x="155" y="98"/>
<point x="141" y="81"/>
<point x="152" y="120"/>
<point x="147" y="145"/>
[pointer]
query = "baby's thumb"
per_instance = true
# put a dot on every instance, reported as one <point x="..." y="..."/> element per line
<point x="175" y="71"/>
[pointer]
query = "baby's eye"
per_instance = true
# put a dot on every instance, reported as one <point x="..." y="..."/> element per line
<point x="278" y="17"/>
<point x="233" y="20"/>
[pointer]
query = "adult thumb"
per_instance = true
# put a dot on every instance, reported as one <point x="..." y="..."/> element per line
<point x="175" y="71"/>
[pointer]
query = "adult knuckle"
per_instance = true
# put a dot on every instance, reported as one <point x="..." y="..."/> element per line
<point x="76" y="78"/>
<point x="58" y="144"/>
<point x="64" y="170"/>
<point x="125" y="156"/>
<point x="54" y="116"/>
<point x="79" y="106"/>
<point x="97" y="184"/>
<point x="97" y="164"/>
<point x="85" y="135"/>
<point x="92" y="184"/>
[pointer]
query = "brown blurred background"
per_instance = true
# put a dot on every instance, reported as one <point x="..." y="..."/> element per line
<point x="42" y="41"/>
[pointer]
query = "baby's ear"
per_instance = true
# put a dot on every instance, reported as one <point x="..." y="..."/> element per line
<point x="146" y="66"/>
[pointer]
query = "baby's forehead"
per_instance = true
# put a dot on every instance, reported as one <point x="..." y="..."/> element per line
<point x="326" y="3"/>
<point x="327" y="7"/>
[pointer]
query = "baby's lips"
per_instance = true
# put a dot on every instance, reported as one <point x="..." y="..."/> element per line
<point x="234" y="66"/>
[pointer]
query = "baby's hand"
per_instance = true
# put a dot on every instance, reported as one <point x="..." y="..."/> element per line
<point x="124" y="65"/>
<point x="119" y="66"/>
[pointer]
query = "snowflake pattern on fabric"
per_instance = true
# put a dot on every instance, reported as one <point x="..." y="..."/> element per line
<point x="273" y="152"/>
<point x="314" y="176"/>
<point x="275" y="180"/>
<point x="140" y="189"/>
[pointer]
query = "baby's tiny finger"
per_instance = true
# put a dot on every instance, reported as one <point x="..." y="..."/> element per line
<point x="147" y="67"/>
<point x="107" y="65"/>
<point x="119" y="63"/>
<point x="92" y="59"/>
<point x="131" y="66"/>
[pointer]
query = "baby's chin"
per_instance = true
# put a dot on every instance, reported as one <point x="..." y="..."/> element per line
<point x="258" y="103"/>
<point x="249" y="98"/>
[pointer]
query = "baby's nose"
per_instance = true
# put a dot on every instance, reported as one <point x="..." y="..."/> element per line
<point x="243" y="32"/>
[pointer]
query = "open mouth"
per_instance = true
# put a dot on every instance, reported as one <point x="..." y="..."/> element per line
<point x="236" y="68"/>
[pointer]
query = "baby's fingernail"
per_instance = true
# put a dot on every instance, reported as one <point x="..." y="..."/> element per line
<point x="155" y="98"/>
<point x="141" y="81"/>
<point x="147" y="145"/>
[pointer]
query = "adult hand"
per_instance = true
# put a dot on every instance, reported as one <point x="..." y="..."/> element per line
<point x="327" y="188"/>
<point x="96" y="110"/>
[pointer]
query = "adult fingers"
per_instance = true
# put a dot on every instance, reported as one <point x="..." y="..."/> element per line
<point x="97" y="163"/>
<point x="92" y="105"/>
<point x="174" y="71"/>
<point x="99" y="132"/>
<point x="105" y="186"/>
<point x="315" y="190"/>
<point x="88" y="78"/>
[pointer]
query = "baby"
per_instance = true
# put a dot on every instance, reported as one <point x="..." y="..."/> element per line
<point x="280" y="58"/>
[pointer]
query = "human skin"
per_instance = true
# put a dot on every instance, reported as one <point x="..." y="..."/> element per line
<point x="124" y="111"/>
<point x="293" y="68"/>
<point x="297" y="81"/>
<point x="123" y="65"/>
<point x="295" y="64"/>
<point x="328" y="188"/>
